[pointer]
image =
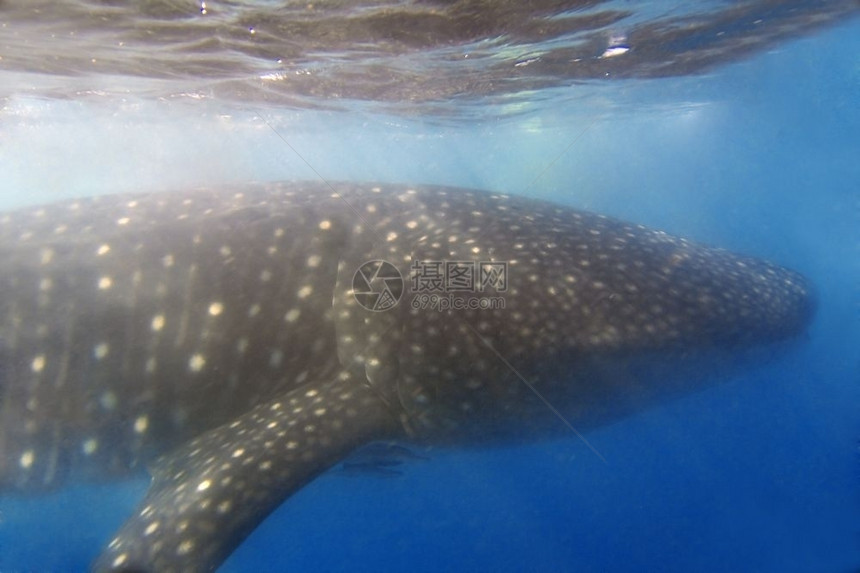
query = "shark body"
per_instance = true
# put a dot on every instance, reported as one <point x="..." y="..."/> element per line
<point x="221" y="340"/>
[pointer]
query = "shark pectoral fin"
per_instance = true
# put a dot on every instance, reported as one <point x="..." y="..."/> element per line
<point x="209" y="494"/>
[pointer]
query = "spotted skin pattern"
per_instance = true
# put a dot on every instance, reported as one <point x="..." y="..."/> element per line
<point x="212" y="337"/>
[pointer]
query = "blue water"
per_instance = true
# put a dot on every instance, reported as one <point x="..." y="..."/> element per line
<point x="761" y="473"/>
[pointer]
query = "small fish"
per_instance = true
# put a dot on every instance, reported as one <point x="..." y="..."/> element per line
<point x="378" y="460"/>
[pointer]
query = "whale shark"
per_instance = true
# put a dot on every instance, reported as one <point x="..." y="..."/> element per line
<point x="235" y="342"/>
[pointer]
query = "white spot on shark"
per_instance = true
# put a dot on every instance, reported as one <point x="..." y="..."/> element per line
<point x="46" y="256"/>
<point x="38" y="363"/>
<point x="90" y="446"/>
<point x="196" y="362"/>
<point x="186" y="547"/>
<point x="242" y="345"/>
<point x="27" y="459"/>
<point x="108" y="400"/>
<point x="141" y="423"/>
<point x="101" y="350"/>
<point x="157" y="322"/>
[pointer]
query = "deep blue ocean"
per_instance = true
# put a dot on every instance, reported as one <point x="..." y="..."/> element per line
<point x="760" y="473"/>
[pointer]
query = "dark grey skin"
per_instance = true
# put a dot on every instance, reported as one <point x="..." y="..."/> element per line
<point x="213" y="337"/>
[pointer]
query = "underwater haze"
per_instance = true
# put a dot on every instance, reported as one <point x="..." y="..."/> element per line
<point x="733" y="124"/>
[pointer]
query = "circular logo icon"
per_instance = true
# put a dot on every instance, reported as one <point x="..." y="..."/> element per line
<point x="377" y="285"/>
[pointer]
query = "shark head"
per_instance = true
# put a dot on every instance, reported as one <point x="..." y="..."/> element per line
<point x="541" y="303"/>
<point x="238" y="341"/>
